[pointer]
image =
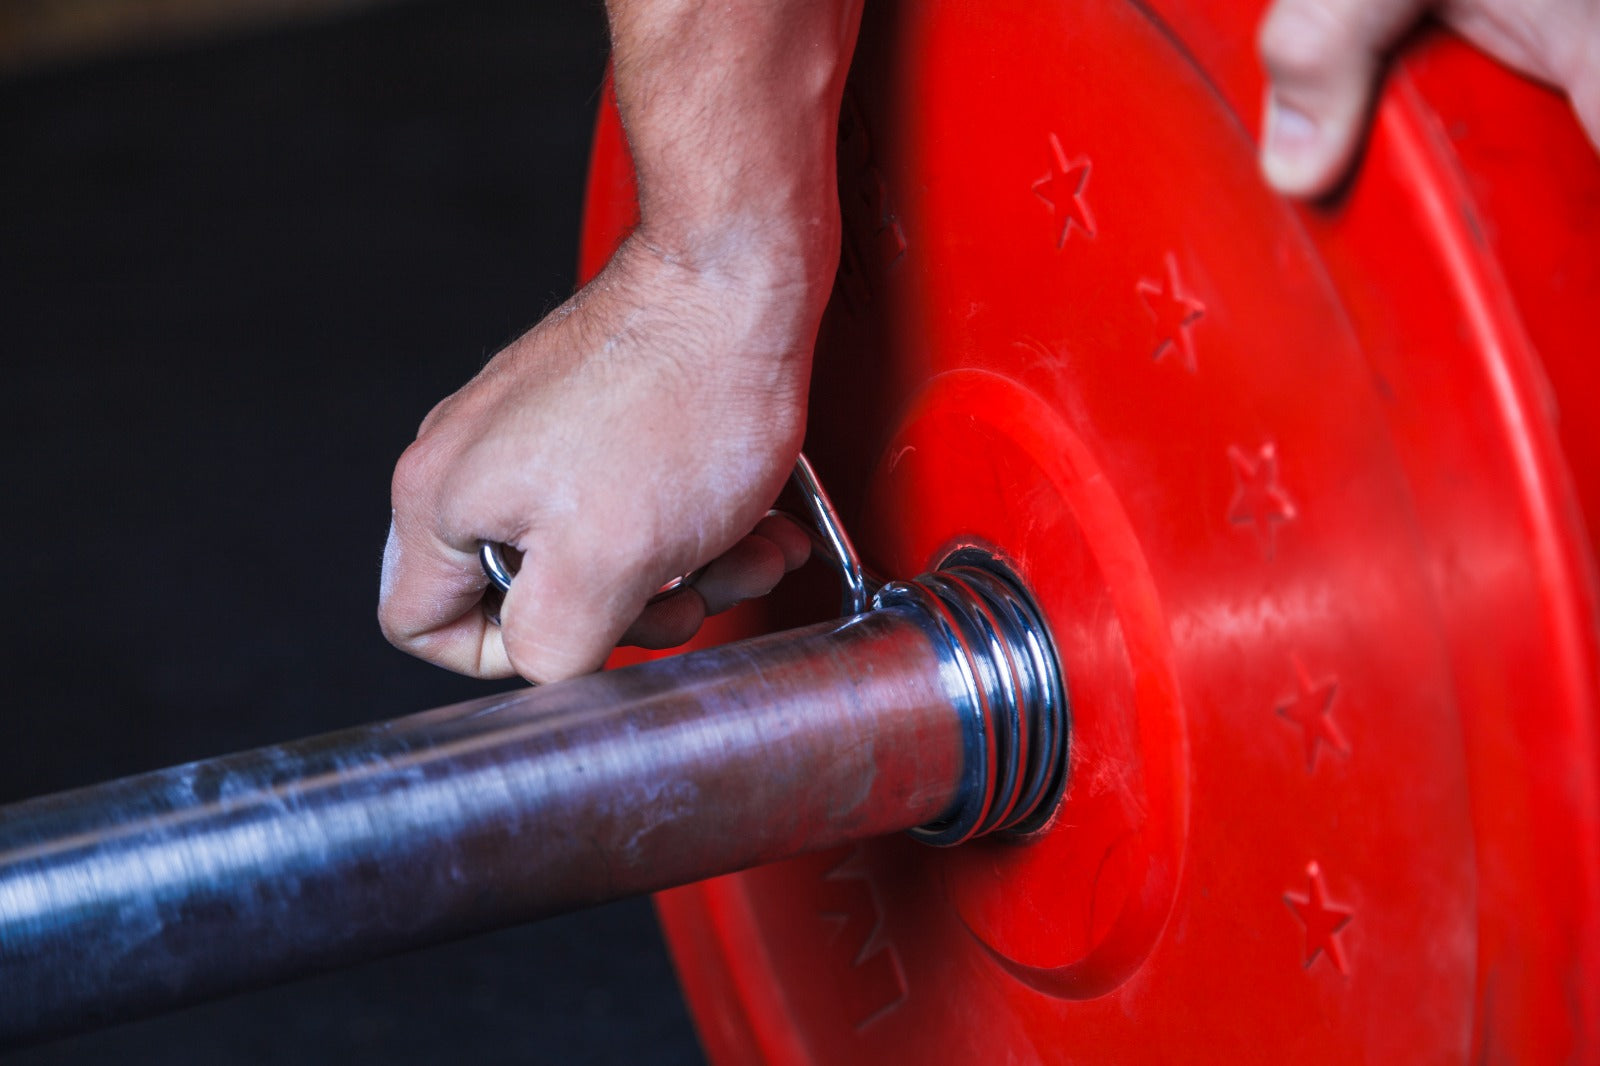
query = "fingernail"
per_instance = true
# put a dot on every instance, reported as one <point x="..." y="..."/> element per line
<point x="1292" y="149"/>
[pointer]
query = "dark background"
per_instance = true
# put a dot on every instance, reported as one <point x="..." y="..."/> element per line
<point x="233" y="278"/>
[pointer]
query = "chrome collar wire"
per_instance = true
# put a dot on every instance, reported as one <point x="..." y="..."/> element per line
<point x="831" y="539"/>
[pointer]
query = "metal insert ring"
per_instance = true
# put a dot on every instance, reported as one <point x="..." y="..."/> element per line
<point x="494" y="565"/>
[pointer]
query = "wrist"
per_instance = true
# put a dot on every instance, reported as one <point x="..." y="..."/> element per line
<point x="726" y="313"/>
<point x="786" y="251"/>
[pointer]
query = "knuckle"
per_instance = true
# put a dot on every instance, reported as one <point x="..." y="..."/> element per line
<point x="392" y="625"/>
<point x="436" y="415"/>
<point x="389" y="614"/>
<point x="415" y="472"/>
<point x="391" y="632"/>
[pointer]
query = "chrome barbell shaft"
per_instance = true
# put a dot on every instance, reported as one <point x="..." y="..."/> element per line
<point x="159" y="890"/>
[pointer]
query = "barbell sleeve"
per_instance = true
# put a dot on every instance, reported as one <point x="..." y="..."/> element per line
<point x="940" y="711"/>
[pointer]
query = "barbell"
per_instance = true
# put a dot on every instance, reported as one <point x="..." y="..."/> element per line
<point x="1299" y="495"/>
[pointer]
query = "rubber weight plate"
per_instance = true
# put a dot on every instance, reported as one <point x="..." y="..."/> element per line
<point x="1302" y="493"/>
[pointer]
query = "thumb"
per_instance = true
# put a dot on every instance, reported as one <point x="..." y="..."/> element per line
<point x="1323" y="59"/>
<point x="562" y="618"/>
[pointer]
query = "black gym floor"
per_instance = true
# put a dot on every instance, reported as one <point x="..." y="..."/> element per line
<point x="233" y="279"/>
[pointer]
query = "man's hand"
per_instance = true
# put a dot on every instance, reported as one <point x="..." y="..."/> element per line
<point x="1324" y="59"/>
<point x="643" y="429"/>
<point x="633" y="435"/>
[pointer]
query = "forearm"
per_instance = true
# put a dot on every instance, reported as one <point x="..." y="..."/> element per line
<point x="643" y="429"/>
<point x="730" y="111"/>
